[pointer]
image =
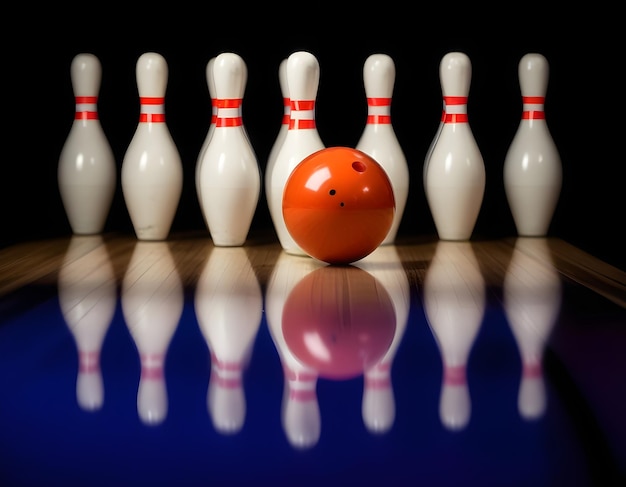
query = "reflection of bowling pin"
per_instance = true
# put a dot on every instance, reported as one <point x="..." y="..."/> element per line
<point x="378" y="405"/>
<point x="455" y="173"/>
<point x="230" y="179"/>
<point x="152" y="304"/>
<point x="87" y="172"/>
<point x="152" y="170"/>
<point x="88" y="297"/>
<point x="300" y="410"/>
<point x="378" y="138"/>
<point x="207" y="138"/>
<point x="302" y="139"/>
<point x="532" y="166"/>
<point x="229" y="309"/>
<point x="532" y="300"/>
<point x="454" y="303"/>
<point x="282" y="132"/>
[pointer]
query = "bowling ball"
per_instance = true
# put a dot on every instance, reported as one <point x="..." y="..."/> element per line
<point x="339" y="320"/>
<point x="338" y="205"/>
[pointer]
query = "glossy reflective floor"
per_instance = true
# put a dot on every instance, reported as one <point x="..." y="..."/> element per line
<point x="496" y="363"/>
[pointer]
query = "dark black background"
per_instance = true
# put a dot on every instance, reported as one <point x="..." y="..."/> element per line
<point x="583" y="104"/>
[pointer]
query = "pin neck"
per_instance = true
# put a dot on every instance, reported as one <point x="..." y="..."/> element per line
<point x="228" y="112"/>
<point x="86" y="108"/>
<point x="302" y="115"/>
<point x="533" y="108"/>
<point x="152" y="109"/>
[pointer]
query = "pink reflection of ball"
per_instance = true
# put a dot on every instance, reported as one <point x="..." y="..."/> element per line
<point x="339" y="321"/>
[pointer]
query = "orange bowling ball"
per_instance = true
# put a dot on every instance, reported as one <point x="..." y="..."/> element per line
<point x="338" y="205"/>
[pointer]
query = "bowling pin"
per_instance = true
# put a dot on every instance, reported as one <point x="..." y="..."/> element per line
<point x="442" y="120"/>
<point x="532" y="300"/>
<point x="378" y="406"/>
<point x="88" y="299"/>
<point x="532" y="166"/>
<point x="87" y="174"/>
<point x="455" y="173"/>
<point x="230" y="178"/>
<point x="454" y="304"/>
<point x="302" y="139"/>
<point x="152" y="300"/>
<point x="152" y="171"/>
<point x="282" y="132"/>
<point x="229" y="308"/>
<point x="379" y="139"/>
<point x="300" y="412"/>
<point x="207" y="138"/>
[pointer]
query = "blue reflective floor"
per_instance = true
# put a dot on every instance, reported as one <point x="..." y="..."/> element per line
<point x="319" y="376"/>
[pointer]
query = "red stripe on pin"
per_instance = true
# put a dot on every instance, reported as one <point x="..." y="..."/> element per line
<point x="455" y="100"/>
<point x="302" y="104"/>
<point x="378" y="383"/>
<point x="228" y="102"/>
<point x="378" y="119"/>
<point x="151" y="117"/>
<point x="378" y="102"/>
<point x="455" y="376"/>
<point x="455" y="118"/>
<point x="228" y="122"/>
<point x="301" y="124"/>
<point x="534" y="100"/>
<point x="302" y="395"/>
<point x="152" y="100"/>
<point x="154" y="373"/>
<point x="86" y="116"/>
<point x="532" y="369"/>
<point x="228" y="383"/>
<point x="533" y="115"/>
<point x="87" y="99"/>
<point x="285" y="119"/>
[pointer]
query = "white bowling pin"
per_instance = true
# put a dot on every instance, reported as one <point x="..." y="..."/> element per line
<point x="455" y="176"/>
<point x="211" y="87"/>
<point x="442" y="120"/>
<point x="229" y="309"/>
<point x="532" y="166"/>
<point x="88" y="299"/>
<point x="282" y="132"/>
<point x="152" y="171"/>
<point x="378" y="403"/>
<point x="300" y="412"/>
<point x="532" y="300"/>
<point x="152" y="303"/>
<point x="378" y="138"/>
<point x="86" y="173"/>
<point x="230" y="178"/>
<point x="302" y="139"/>
<point x="454" y="304"/>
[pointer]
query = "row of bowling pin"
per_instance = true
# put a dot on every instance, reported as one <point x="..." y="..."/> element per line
<point x="152" y="170"/>
<point x="454" y="170"/>
<point x="301" y="299"/>
<point x="228" y="176"/>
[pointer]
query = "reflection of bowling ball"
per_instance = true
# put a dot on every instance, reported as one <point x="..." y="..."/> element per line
<point x="339" y="321"/>
<point x="338" y="205"/>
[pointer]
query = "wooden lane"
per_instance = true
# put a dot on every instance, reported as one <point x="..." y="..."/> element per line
<point x="39" y="261"/>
